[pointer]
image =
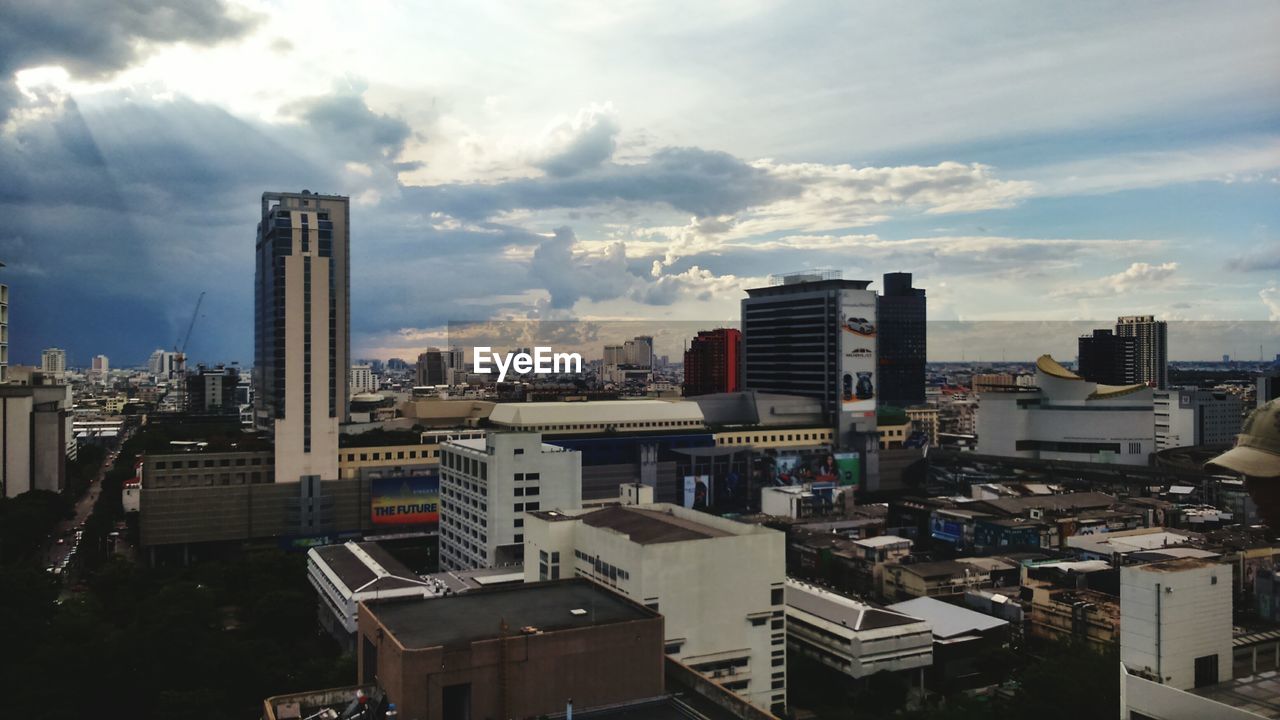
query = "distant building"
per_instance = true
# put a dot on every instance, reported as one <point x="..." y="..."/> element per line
<point x="439" y="367"/>
<point x="511" y="652"/>
<point x="1191" y="416"/>
<point x="162" y="364"/>
<point x="100" y="368"/>
<point x="717" y="582"/>
<point x="213" y="390"/>
<point x="53" y="361"/>
<point x="487" y="487"/>
<point x="713" y="362"/>
<point x="901" y="314"/>
<point x="1065" y="417"/>
<point x="362" y="379"/>
<point x="302" y="336"/>
<point x="1108" y="358"/>
<point x="1152" y="347"/>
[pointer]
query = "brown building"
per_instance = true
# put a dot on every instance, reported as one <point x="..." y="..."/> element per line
<point x="512" y="652"/>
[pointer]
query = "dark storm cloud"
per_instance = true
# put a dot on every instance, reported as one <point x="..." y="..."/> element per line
<point x="93" y="39"/>
<point x="570" y="276"/>
<point x="700" y="182"/>
<point x="358" y="133"/>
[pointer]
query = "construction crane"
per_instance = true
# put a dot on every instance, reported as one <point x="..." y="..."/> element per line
<point x="181" y="349"/>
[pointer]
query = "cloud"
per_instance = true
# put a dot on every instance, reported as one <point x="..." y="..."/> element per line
<point x="569" y="276"/>
<point x="1266" y="259"/>
<point x="1139" y="275"/>
<point x="95" y="39"/>
<point x="583" y="143"/>
<point x="1271" y="298"/>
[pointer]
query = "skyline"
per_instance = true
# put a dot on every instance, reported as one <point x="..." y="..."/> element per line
<point x="131" y="165"/>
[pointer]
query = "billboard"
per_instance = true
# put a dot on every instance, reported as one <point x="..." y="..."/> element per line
<point x="858" y="353"/>
<point x="407" y="500"/>
<point x="848" y="468"/>
<point x="800" y="468"/>
<point x="696" y="489"/>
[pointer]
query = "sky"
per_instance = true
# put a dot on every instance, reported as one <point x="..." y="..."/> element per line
<point x="639" y="161"/>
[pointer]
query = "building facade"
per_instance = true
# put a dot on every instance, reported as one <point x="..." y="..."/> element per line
<point x="718" y="584"/>
<point x="53" y="362"/>
<point x="1065" y="417"/>
<point x="1107" y="358"/>
<point x="713" y="362"/>
<point x="901" y="312"/>
<point x="302" y="336"/>
<point x="1152" y="347"/>
<point x="362" y="379"/>
<point x="35" y="437"/>
<point x="213" y="390"/>
<point x="1191" y="416"/>
<point x="487" y="488"/>
<point x="852" y="637"/>
<point x="1175" y="622"/>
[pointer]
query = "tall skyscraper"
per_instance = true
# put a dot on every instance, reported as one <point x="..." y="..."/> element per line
<point x="1152" y="349"/>
<point x="301" y="335"/>
<point x="901" y="315"/>
<point x="713" y="362"/>
<point x="1108" y="358"/>
<point x="814" y="334"/>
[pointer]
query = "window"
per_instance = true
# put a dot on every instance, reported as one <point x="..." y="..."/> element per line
<point x="518" y="451"/>
<point x="519" y="507"/>
<point x="775" y="596"/>
<point x="519" y="537"/>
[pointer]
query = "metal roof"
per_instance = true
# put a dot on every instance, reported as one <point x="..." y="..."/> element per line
<point x="947" y="620"/>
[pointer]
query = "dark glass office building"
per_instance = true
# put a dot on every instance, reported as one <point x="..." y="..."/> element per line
<point x="1107" y="358"/>
<point x="901" y="314"/>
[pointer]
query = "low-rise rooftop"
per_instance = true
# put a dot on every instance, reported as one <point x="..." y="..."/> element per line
<point x="480" y="615"/>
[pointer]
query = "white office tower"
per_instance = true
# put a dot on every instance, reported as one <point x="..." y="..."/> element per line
<point x="488" y="485"/>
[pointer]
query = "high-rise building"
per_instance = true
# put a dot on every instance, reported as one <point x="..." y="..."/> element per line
<point x="1152" y="348"/>
<point x="302" y="336"/>
<point x="162" y="364"/>
<point x="901" y="315"/>
<point x="101" y="366"/>
<point x="440" y="367"/>
<point x="1268" y="388"/>
<point x="362" y="379"/>
<point x="1107" y="358"/>
<point x="713" y="362"/>
<point x="814" y="335"/>
<point x="1191" y="416"/>
<point x="638" y="351"/>
<point x="53" y="361"/>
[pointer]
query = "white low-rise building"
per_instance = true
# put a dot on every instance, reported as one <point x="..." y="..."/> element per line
<point x="344" y="575"/>
<point x="488" y="484"/>
<point x="1191" y="416"/>
<point x="852" y="637"/>
<point x="1175" y="621"/>
<point x="1065" y="417"/>
<point x="717" y="582"/>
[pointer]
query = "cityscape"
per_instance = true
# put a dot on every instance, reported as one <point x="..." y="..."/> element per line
<point x="340" y="392"/>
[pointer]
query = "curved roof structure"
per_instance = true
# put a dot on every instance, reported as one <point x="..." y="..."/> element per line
<point x="1047" y="365"/>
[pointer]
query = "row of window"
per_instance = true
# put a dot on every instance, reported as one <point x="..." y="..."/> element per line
<point x="222" y="462"/>
<point x="784" y="437"/>
<point x="652" y="424"/>
<point x="399" y="455"/>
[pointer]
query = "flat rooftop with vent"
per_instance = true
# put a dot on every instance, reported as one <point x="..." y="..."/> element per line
<point x="515" y="651"/>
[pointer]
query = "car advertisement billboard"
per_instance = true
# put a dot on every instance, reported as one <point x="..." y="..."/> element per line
<point x="848" y="468"/>
<point x="858" y="353"/>
<point x="408" y="500"/>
